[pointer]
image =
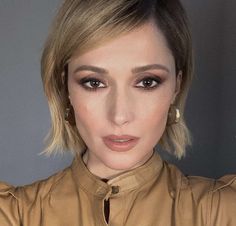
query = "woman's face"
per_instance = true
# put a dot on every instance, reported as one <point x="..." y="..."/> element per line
<point x="123" y="87"/>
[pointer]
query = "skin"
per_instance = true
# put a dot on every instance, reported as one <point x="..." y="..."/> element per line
<point x="118" y="103"/>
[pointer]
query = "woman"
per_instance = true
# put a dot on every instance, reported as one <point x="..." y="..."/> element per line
<point x="116" y="74"/>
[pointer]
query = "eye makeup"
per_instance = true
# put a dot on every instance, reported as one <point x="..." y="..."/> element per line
<point x="148" y="82"/>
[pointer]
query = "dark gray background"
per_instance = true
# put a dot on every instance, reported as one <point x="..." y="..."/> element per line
<point x="24" y="115"/>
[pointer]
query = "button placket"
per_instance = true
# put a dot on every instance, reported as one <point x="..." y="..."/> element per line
<point x="112" y="191"/>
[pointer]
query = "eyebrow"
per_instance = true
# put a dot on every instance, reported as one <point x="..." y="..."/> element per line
<point x="134" y="70"/>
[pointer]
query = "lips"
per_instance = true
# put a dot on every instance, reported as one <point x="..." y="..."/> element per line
<point x="120" y="143"/>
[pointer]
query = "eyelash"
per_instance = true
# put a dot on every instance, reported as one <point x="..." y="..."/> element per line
<point x="85" y="80"/>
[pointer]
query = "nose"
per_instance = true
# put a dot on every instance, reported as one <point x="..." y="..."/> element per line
<point x="121" y="107"/>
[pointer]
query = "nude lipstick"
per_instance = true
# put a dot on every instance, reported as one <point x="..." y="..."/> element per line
<point x="120" y="143"/>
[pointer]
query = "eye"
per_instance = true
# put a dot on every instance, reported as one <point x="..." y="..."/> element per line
<point x="150" y="82"/>
<point x="91" y="83"/>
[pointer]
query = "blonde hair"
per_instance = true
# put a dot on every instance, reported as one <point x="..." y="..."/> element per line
<point x="81" y="25"/>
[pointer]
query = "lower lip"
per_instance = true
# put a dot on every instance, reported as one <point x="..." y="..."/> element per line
<point x="120" y="147"/>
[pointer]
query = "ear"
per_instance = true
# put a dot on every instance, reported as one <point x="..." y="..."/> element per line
<point x="69" y="98"/>
<point x="64" y="77"/>
<point x="178" y="82"/>
<point x="177" y="85"/>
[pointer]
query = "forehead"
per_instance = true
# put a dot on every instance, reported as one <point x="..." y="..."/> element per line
<point x="145" y="44"/>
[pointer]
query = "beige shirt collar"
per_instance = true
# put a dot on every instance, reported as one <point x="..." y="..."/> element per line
<point x="127" y="181"/>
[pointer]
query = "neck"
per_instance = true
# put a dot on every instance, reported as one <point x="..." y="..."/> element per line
<point x="102" y="171"/>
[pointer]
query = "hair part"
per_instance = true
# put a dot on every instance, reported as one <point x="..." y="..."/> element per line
<point x="81" y="25"/>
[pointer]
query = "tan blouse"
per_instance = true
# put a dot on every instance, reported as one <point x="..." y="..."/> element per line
<point x="154" y="194"/>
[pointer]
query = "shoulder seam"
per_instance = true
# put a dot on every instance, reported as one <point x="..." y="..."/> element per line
<point x="226" y="184"/>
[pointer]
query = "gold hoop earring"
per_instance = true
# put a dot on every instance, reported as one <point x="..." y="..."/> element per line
<point x="173" y="115"/>
<point x="70" y="115"/>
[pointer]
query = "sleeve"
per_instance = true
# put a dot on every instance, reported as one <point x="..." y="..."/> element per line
<point x="223" y="203"/>
<point x="9" y="206"/>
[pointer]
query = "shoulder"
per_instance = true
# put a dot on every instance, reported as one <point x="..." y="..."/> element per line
<point x="38" y="189"/>
<point x="26" y="201"/>
<point x="221" y="191"/>
<point x="202" y="186"/>
<point x="197" y="187"/>
<point x="213" y="199"/>
<point x="224" y="200"/>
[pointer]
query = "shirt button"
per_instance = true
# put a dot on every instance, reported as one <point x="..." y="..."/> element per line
<point x="172" y="194"/>
<point x="115" y="189"/>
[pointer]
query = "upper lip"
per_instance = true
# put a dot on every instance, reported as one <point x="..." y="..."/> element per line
<point x="121" y="137"/>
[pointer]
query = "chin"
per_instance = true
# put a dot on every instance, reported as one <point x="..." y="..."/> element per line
<point x="123" y="162"/>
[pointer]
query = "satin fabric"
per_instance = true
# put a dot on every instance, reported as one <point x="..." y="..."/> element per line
<point x="154" y="194"/>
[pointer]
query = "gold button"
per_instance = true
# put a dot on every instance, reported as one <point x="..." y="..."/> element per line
<point x="115" y="189"/>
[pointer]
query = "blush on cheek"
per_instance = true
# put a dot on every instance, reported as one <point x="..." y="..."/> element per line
<point x="156" y="123"/>
<point x="81" y="114"/>
<point x="86" y="119"/>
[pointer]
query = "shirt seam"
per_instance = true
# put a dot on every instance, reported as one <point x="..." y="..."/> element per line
<point x="233" y="180"/>
<point x="209" y="203"/>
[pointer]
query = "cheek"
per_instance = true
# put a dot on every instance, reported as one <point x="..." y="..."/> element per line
<point x="153" y="125"/>
<point x="153" y="113"/>
<point x="87" y="114"/>
<point x="154" y="116"/>
<point x="156" y="105"/>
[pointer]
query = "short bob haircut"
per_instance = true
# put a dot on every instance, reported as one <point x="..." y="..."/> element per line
<point x="81" y="25"/>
